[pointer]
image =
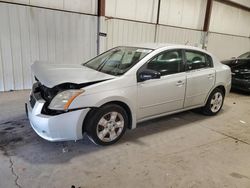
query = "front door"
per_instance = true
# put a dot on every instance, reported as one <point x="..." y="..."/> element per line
<point x="157" y="96"/>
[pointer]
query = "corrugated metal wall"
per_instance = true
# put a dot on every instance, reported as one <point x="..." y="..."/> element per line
<point x="141" y="10"/>
<point x="229" y="31"/>
<point x="179" y="36"/>
<point x="242" y="2"/>
<point x="121" y="32"/>
<point x="229" y="20"/>
<point x="83" y="6"/>
<point x="28" y="34"/>
<point x="181" y="22"/>
<point x="183" y="13"/>
<point x="226" y="46"/>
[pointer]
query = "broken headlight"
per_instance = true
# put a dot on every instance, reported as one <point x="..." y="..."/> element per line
<point x="63" y="99"/>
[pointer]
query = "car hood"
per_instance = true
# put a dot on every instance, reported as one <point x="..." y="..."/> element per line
<point x="52" y="75"/>
<point x="227" y="61"/>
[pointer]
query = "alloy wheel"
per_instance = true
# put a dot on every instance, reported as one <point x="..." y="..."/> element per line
<point x="216" y="102"/>
<point x="110" y="126"/>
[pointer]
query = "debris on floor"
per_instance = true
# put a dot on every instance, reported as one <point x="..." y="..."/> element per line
<point x="243" y="122"/>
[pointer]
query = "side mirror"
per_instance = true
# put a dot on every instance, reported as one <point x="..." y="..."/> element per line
<point x="148" y="74"/>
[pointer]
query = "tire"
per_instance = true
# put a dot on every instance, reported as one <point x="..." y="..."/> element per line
<point x="106" y="125"/>
<point x="214" y="103"/>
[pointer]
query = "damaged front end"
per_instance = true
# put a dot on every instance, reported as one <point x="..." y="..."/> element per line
<point x="41" y="92"/>
<point x="54" y="125"/>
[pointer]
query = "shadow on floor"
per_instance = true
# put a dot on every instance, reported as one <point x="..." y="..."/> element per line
<point x="18" y="139"/>
<point x="237" y="91"/>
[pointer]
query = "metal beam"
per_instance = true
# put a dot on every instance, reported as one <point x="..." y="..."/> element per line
<point x="101" y="14"/>
<point x="207" y="15"/>
<point x="158" y="12"/>
<point x="157" y="19"/>
<point x="101" y="8"/>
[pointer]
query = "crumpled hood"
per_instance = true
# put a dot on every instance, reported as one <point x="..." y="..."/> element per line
<point x="51" y="75"/>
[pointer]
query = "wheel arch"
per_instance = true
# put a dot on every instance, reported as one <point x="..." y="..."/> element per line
<point x="219" y="86"/>
<point x="126" y="108"/>
<point x="117" y="102"/>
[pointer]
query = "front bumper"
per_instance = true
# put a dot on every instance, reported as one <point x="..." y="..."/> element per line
<point x="62" y="127"/>
<point x="241" y="84"/>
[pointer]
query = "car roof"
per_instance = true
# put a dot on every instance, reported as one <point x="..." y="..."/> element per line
<point x="156" y="46"/>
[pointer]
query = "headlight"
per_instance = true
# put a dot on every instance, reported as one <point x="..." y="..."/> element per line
<point x="63" y="99"/>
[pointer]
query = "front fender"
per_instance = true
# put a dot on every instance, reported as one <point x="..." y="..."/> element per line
<point x="127" y="96"/>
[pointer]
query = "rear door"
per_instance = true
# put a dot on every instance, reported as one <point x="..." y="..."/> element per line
<point x="200" y="77"/>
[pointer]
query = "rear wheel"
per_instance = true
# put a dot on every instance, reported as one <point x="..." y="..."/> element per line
<point x="107" y="124"/>
<point x="214" y="102"/>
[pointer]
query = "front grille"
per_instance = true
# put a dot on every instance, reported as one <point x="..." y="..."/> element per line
<point x="35" y="94"/>
<point x="39" y="92"/>
<point x="32" y="101"/>
<point x="47" y="93"/>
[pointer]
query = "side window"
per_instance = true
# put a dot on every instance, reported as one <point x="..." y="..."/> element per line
<point x="168" y="62"/>
<point x="197" y="60"/>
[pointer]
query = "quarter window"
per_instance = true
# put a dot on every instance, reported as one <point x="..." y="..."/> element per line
<point x="168" y="62"/>
<point x="197" y="60"/>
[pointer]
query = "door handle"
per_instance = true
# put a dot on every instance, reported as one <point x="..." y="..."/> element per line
<point x="180" y="83"/>
<point x="210" y="76"/>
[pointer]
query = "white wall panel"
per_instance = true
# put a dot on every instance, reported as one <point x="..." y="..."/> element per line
<point x="229" y="20"/>
<point x="1" y="71"/>
<point x="58" y="4"/>
<point x="84" y="6"/>
<point x="16" y="47"/>
<point x="226" y="46"/>
<point x="6" y="48"/>
<point x="168" y="34"/>
<point x="142" y="10"/>
<point x="87" y="6"/>
<point x="183" y="13"/>
<point x="242" y="2"/>
<point x="121" y="32"/>
<point x="28" y="34"/>
<point x="18" y="1"/>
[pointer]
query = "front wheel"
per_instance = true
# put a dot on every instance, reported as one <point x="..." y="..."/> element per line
<point x="214" y="102"/>
<point x="107" y="124"/>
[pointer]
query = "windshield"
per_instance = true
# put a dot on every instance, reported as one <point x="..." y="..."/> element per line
<point x="245" y="55"/>
<point x="118" y="60"/>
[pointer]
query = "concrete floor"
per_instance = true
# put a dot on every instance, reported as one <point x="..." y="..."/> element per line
<point x="182" y="150"/>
